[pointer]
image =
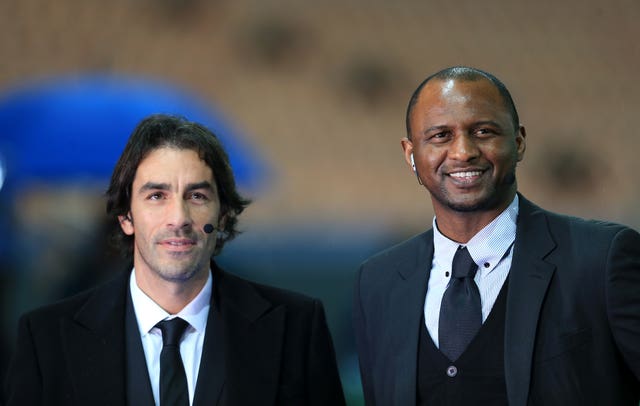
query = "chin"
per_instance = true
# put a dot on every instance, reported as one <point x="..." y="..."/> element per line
<point x="468" y="207"/>
<point x="491" y="198"/>
<point x="466" y="204"/>
<point x="179" y="274"/>
<point x="485" y="203"/>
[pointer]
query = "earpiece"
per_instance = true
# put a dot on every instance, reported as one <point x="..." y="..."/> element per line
<point x="413" y="166"/>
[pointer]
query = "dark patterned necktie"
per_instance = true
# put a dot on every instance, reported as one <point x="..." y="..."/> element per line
<point x="173" y="380"/>
<point x="460" y="310"/>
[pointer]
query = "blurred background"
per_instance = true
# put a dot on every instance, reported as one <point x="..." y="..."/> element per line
<point x="309" y="99"/>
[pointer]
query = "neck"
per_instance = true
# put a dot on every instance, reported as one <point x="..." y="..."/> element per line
<point x="461" y="226"/>
<point x="171" y="295"/>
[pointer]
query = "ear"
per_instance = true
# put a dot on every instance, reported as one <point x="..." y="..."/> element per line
<point x="222" y="221"/>
<point x="521" y="144"/>
<point x="407" y="148"/>
<point x="126" y="224"/>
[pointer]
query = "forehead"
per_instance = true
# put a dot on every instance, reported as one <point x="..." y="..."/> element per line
<point x="171" y="162"/>
<point x="460" y="97"/>
<point x="457" y="91"/>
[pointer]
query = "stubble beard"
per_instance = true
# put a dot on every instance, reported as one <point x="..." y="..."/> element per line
<point x="494" y="197"/>
<point x="171" y="268"/>
<point x="182" y="274"/>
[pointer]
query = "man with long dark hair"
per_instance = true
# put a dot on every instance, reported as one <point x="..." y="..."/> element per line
<point x="175" y="329"/>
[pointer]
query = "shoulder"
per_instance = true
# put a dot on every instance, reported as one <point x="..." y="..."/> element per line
<point x="46" y="317"/>
<point x="575" y="240"/>
<point x="405" y="251"/>
<point x="583" y="225"/>
<point x="242" y="292"/>
<point x="282" y="296"/>
<point x="576" y="228"/>
<point x="398" y="262"/>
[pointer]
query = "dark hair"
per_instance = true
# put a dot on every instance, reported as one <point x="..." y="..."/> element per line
<point x="466" y="73"/>
<point x="159" y="131"/>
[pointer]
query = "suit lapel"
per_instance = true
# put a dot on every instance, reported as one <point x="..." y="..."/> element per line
<point x="405" y="312"/>
<point x="93" y="343"/>
<point x="529" y="279"/>
<point x="138" y="385"/>
<point x="211" y="376"/>
<point x="253" y="332"/>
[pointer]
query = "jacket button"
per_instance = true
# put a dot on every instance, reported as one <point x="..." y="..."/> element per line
<point x="452" y="371"/>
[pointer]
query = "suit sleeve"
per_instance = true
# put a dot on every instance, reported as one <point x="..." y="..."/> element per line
<point x="623" y="296"/>
<point x="362" y="343"/>
<point x="23" y="384"/>
<point x="323" y="377"/>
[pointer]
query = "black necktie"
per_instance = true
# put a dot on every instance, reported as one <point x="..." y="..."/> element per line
<point x="173" y="380"/>
<point x="460" y="310"/>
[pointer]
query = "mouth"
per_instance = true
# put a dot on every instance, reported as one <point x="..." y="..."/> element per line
<point x="467" y="177"/>
<point x="178" y="244"/>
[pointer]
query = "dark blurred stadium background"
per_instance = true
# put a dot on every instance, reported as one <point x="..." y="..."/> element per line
<point x="310" y="99"/>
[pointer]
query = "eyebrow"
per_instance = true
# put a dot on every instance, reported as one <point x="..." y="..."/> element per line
<point x="153" y="186"/>
<point x="476" y="124"/>
<point x="165" y="186"/>
<point x="200" y="185"/>
<point x="435" y="128"/>
<point x="487" y="122"/>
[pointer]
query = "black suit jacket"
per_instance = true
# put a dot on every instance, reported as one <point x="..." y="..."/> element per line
<point x="572" y="329"/>
<point x="274" y="348"/>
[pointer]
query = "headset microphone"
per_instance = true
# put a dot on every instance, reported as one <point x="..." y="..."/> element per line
<point x="208" y="228"/>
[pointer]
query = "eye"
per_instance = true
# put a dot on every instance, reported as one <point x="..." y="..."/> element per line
<point x="155" y="196"/>
<point x="483" y="132"/>
<point x="198" y="196"/>
<point x="439" y="137"/>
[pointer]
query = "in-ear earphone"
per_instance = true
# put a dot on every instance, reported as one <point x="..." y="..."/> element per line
<point x="413" y="166"/>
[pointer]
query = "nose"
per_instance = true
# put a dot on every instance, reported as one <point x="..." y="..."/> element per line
<point x="178" y="215"/>
<point x="463" y="148"/>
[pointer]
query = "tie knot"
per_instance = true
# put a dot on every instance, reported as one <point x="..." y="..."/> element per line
<point x="172" y="330"/>
<point x="463" y="265"/>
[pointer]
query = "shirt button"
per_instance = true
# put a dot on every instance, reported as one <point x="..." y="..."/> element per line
<point x="452" y="371"/>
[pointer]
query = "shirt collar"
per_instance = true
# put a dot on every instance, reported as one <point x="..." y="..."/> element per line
<point x="487" y="247"/>
<point x="149" y="313"/>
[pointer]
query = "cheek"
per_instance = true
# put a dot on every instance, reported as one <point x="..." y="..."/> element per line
<point x="144" y="222"/>
<point x="432" y="161"/>
<point x="504" y="155"/>
<point x="205" y="214"/>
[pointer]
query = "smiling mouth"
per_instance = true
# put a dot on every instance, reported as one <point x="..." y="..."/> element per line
<point x="178" y="245"/>
<point x="466" y="178"/>
<point x="465" y="175"/>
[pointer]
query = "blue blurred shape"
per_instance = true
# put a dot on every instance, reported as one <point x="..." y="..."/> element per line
<point x="75" y="127"/>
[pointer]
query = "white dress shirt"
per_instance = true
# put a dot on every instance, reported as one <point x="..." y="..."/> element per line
<point x="148" y="314"/>
<point x="491" y="250"/>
